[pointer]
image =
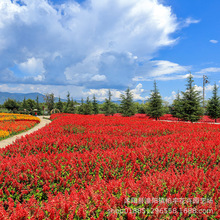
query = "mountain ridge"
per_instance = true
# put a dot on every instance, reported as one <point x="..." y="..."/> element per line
<point x="20" y="96"/>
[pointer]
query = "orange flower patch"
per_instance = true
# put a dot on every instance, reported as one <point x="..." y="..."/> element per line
<point x="11" y="124"/>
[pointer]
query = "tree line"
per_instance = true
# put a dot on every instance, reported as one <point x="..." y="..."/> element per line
<point x="187" y="105"/>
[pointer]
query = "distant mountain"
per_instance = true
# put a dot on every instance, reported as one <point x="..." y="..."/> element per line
<point x="119" y="102"/>
<point x="20" y="96"/>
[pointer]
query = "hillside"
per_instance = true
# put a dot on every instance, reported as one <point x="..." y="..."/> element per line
<point x="20" y="96"/>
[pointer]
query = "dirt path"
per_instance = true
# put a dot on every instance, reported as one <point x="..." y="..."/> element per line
<point x="10" y="140"/>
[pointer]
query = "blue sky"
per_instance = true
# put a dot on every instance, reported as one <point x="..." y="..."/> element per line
<point x="87" y="47"/>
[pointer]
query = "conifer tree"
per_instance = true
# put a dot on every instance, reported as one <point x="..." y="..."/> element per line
<point x="38" y="106"/>
<point x="67" y="103"/>
<point x="88" y="107"/>
<point x="81" y="108"/>
<point x="127" y="105"/>
<point x="68" y="99"/>
<point x="155" y="106"/>
<point x="24" y="104"/>
<point x="213" y="107"/>
<point x="191" y="107"/>
<point x="177" y="107"/>
<point x="59" y="105"/>
<point x="108" y="105"/>
<point x="95" y="105"/>
<point x="71" y="107"/>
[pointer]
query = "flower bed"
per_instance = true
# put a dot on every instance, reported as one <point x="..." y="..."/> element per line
<point x="17" y="117"/>
<point x="11" y="124"/>
<point x="204" y="118"/>
<point x="99" y="167"/>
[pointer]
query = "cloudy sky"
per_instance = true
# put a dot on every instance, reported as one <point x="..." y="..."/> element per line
<point x="87" y="47"/>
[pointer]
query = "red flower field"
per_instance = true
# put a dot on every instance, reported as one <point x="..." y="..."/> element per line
<point x="111" y="167"/>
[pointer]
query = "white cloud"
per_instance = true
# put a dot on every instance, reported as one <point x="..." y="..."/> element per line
<point x="164" y="67"/>
<point x="101" y="94"/>
<point x="75" y="91"/>
<point x="98" y="78"/>
<point x="138" y="93"/>
<point x="175" y="77"/>
<point x="75" y="44"/>
<point x="209" y="88"/>
<point x="198" y="88"/>
<point x="190" y="20"/>
<point x="171" y="98"/>
<point x="161" y="70"/>
<point x="213" y="41"/>
<point x="210" y="70"/>
<point x="32" y="66"/>
<point x="39" y="78"/>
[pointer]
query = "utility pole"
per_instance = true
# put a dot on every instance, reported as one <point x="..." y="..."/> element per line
<point x="205" y="81"/>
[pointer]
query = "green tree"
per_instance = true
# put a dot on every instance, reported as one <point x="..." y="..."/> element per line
<point x="95" y="105"/>
<point x="49" y="99"/>
<point x="108" y="105"/>
<point x="38" y="106"/>
<point x="177" y="107"/>
<point x="81" y="108"/>
<point x="67" y="103"/>
<point x="59" y="105"/>
<point x="88" y="107"/>
<point x="166" y="107"/>
<point x="155" y="106"/>
<point x="141" y="108"/>
<point x="191" y="107"/>
<point x="213" y="107"/>
<point x="127" y="105"/>
<point x="71" y="108"/>
<point x="30" y="104"/>
<point x="11" y="105"/>
<point x="68" y="99"/>
<point x="24" y="105"/>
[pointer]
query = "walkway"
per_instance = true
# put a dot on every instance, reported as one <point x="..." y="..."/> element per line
<point x="10" y="140"/>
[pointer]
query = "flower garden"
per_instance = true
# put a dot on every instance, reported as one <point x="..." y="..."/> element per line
<point x="112" y="167"/>
<point x="11" y="124"/>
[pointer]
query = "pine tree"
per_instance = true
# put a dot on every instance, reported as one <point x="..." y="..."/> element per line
<point x="95" y="105"/>
<point x="108" y="105"/>
<point x="127" y="105"/>
<point x="213" y="107"/>
<point x="177" y="107"/>
<point x="68" y="99"/>
<point x="24" y="104"/>
<point x="38" y="106"/>
<point x="59" y="105"/>
<point x="81" y="108"/>
<point x="88" y="107"/>
<point x="71" y="107"/>
<point x="155" y="106"/>
<point x="67" y="103"/>
<point x="191" y="109"/>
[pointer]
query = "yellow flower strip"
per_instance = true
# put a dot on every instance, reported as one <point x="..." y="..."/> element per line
<point x="4" y="134"/>
<point x="12" y="117"/>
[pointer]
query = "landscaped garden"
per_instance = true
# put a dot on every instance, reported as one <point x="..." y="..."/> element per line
<point x="12" y="124"/>
<point x="112" y="167"/>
